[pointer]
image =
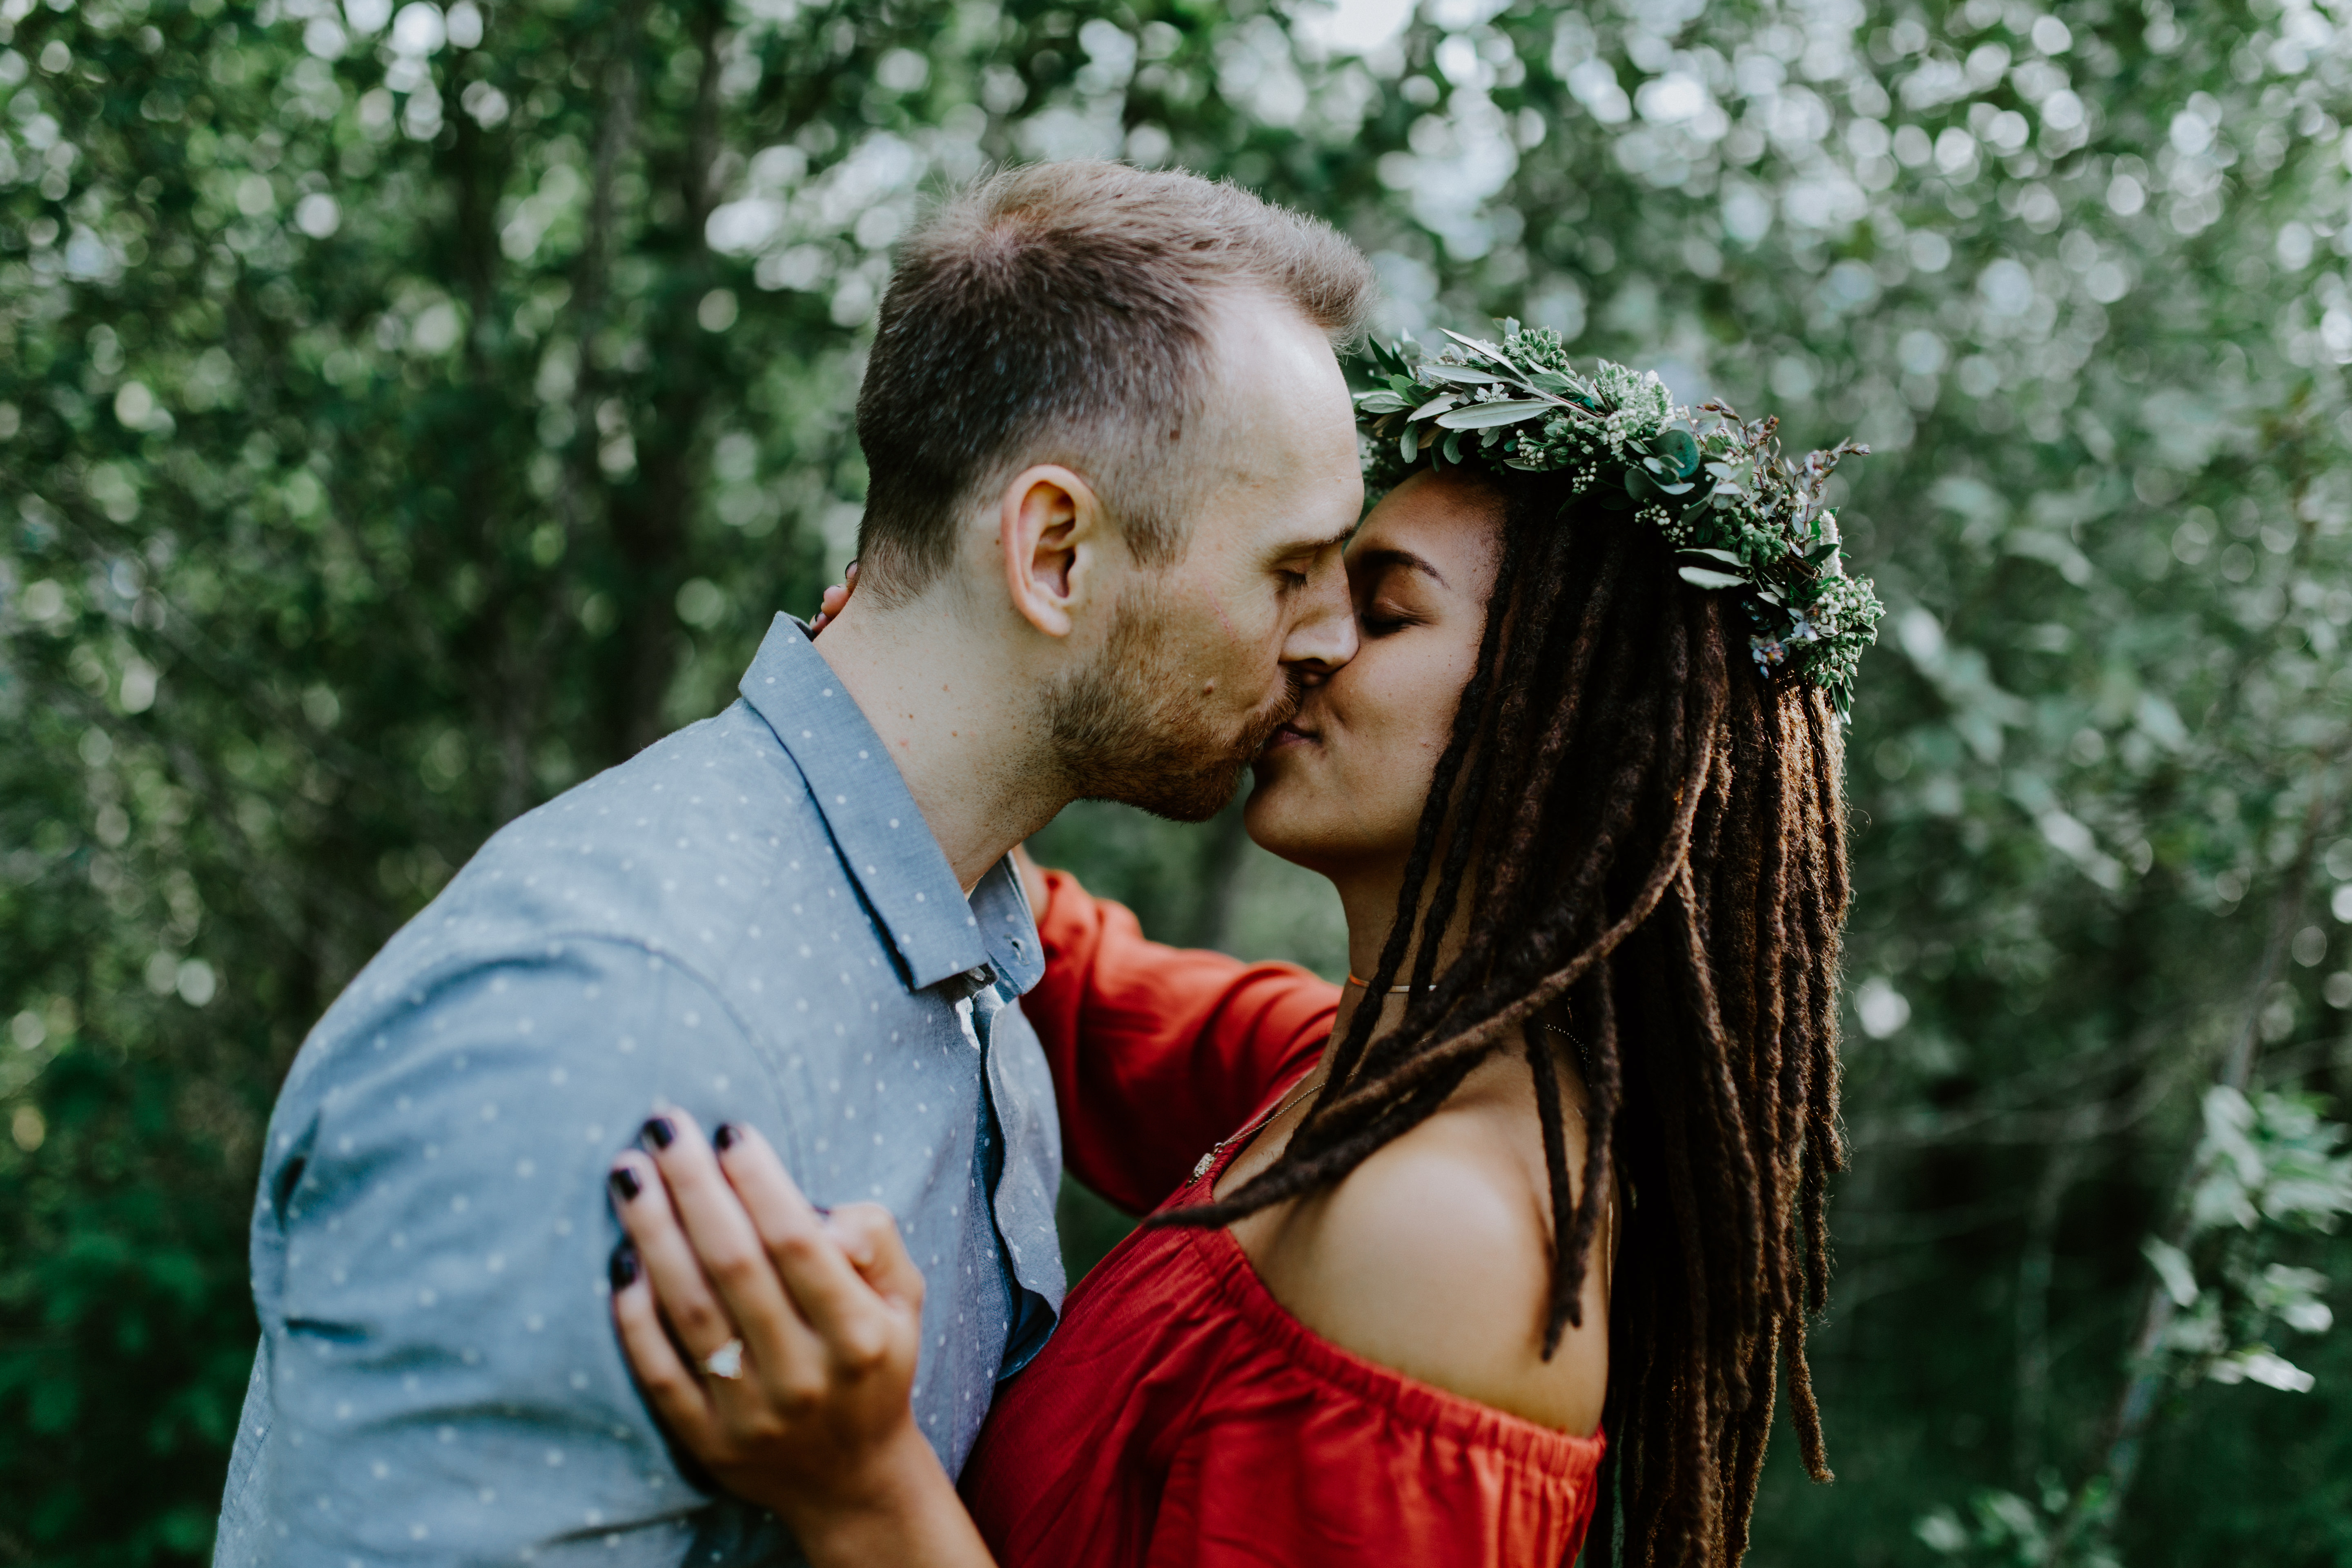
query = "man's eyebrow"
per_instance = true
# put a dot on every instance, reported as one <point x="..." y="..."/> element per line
<point x="1388" y="555"/>
<point x="1316" y="546"/>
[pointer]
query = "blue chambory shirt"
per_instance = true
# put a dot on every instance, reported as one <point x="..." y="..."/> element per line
<point x="748" y="922"/>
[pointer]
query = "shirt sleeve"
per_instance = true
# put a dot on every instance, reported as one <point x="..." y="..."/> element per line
<point x="1157" y="1052"/>
<point x="440" y="1378"/>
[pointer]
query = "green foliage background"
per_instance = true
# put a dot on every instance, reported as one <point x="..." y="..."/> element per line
<point x="404" y="415"/>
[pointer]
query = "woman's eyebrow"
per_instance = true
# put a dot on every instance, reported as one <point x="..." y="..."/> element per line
<point x="1384" y="556"/>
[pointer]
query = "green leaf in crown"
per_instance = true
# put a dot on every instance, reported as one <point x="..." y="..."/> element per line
<point x="1744" y="518"/>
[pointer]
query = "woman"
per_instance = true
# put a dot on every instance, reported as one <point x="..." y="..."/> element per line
<point x="1561" y="1166"/>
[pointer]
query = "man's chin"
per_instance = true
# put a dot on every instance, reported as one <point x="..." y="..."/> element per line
<point x="1128" y="742"/>
<point x="1190" y="794"/>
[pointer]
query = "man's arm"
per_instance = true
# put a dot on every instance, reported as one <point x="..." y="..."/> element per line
<point x="440" y="1382"/>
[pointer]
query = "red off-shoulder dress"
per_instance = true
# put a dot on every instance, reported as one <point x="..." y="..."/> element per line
<point x="1179" y="1416"/>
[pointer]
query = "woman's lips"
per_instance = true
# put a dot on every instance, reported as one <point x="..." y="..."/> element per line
<point x="1289" y="735"/>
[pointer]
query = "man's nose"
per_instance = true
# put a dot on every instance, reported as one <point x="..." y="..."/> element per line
<point x="1324" y="637"/>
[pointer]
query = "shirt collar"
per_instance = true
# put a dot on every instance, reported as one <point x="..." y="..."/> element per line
<point x="897" y="866"/>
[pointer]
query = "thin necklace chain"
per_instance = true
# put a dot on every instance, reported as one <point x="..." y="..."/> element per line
<point x="1209" y="1158"/>
<point x="1295" y="1096"/>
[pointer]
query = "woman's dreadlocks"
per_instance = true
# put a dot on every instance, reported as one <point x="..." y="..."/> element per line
<point x="1652" y="838"/>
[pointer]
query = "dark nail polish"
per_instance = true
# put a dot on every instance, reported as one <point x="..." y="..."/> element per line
<point x="724" y="1138"/>
<point x="658" y="1132"/>
<point x="624" y="1267"/>
<point x="625" y="1182"/>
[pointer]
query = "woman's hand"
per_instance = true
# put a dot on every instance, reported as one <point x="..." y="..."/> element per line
<point x="1033" y="878"/>
<point x="830" y="602"/>
<point x="799" y="1333"/>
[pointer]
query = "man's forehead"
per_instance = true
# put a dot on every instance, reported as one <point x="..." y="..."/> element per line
<point x="1279" y="427"/>
<point x="1255" y="338"/>
<point x="1284" y="420"/>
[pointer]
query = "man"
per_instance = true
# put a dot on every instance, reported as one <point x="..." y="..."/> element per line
<point x="1113" y="465"/>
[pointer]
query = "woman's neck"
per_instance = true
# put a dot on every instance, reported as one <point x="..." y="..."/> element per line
<point x="1368" y="898"/>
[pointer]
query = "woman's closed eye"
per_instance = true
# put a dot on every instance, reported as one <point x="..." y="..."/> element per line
<point x="1381" y="618"/>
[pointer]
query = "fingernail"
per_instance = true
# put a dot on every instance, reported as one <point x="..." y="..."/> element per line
<point x="723" y="1139"/>
<point x="658" y="1132"/>
<point x="625" y="1182"/>
<point x="624" y="1267"/>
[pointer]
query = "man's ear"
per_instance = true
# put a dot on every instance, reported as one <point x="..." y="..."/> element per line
<point x="1052" y="532"/>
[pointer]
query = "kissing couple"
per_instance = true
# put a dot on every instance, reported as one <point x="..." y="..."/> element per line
<point x="678" y="1187"/>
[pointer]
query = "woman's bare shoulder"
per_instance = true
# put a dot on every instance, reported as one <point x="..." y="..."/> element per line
<point x="1433" y="1258"/>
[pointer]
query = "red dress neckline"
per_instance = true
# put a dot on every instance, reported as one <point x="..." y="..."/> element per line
<point x="1180" y="1417"/>
<point x="1422" y="1403"/>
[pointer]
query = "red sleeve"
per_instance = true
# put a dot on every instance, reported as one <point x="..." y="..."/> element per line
<point x="1158" y="1051"/>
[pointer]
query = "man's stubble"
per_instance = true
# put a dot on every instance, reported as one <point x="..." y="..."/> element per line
<point x="1131" y="726"/>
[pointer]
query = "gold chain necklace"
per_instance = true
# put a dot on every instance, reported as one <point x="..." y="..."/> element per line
<point x="1202" y="1168"/>
<point x="1222" y="1144"/>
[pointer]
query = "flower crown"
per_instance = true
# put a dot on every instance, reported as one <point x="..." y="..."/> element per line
<point x="1741" y="515"/>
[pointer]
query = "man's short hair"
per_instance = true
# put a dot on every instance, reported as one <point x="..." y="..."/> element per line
<point x="1060" y="313"/>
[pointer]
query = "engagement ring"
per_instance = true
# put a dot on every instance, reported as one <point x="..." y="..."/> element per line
<point x="726" y="1362"/>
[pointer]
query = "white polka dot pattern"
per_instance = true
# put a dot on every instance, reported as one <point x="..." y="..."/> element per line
<point x="731" y="924"/>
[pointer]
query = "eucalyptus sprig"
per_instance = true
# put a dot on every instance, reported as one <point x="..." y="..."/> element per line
<point x="1742" y="516"/>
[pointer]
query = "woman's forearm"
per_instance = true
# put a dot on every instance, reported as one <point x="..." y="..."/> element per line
<point x="910" y="1516"/>
<point x="827" y="1312"/>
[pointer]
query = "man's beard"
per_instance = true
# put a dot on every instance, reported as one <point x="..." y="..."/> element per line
<point x="1133" y="727"/>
